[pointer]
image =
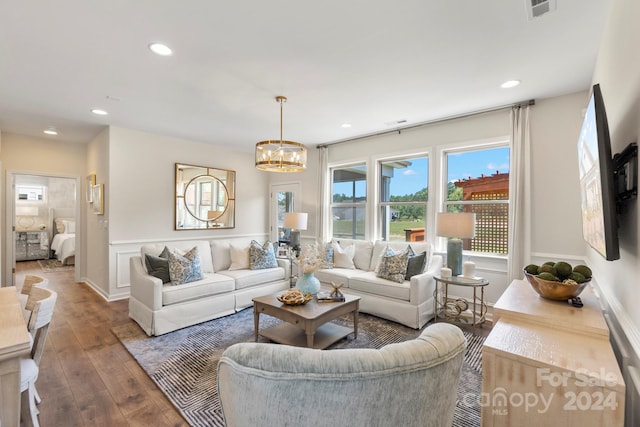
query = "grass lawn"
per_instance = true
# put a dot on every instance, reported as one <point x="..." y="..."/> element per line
<point x="343" y="228"/>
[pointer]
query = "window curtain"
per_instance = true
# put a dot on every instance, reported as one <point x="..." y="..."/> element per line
<point x="323" y="187"/>
<point x="520" y="189"/>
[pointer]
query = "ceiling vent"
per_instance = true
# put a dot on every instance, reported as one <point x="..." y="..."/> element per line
<point x="537" y="8"/>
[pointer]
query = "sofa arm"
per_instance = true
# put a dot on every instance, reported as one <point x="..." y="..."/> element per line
<point x="286" y="264"/>
<point x="144" y="287"/>
<point x="423" y="285"/>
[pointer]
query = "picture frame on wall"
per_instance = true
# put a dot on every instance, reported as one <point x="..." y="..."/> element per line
<point x="97" y="196"/>
<point x="91" y="181"/>
<point x="283" y="252"/>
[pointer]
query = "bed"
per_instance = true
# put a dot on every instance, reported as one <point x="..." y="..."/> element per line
<point x="63" y="243"/>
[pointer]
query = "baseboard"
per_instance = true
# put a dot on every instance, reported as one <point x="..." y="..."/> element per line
<point x="625" y="341"/>
<point x="100" y="292"/>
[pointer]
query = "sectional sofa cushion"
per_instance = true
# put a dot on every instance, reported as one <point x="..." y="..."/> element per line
<point x="181" y="247"/>
<point x="249" y="278"/>
<point x="416" y="263"/>
<point x="185" y="269"/>
<point x="158" y="266"/>
<point x="343" y="255"/>
<point x="393" y="265"/>
<point x="239" y="257"/>
<point x="371" y="284"/>
<point x="380" y="246"/>
<point x="211" y="284"/>
<point x="262" y="256"/>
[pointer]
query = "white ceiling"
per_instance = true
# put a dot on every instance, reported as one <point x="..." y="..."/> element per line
<point x="366" y="62"/>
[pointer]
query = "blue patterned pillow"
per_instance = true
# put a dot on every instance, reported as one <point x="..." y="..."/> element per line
<point x="262" y="256"/>
<point x="393" y="266"/>
<point x="328" y="256"/>
<point x="185" y="268"/>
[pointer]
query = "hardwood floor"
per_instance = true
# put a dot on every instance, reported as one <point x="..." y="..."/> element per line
<point x="87" y="378"/>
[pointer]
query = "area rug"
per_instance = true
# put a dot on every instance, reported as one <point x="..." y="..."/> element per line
<point x="183" y="363"/>
<point x="53" y="265"/>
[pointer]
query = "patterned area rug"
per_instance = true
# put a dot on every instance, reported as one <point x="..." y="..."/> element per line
<point x="183" y="363"/>
<point x="53" y="265"/>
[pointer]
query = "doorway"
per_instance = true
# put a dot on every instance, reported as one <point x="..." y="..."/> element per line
<point x="39" y="208"/>
<point x="285" y="197"/>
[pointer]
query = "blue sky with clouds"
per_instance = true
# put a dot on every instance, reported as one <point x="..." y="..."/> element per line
<point x="460" y="165"/>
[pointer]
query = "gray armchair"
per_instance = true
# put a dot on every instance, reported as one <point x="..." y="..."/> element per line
<point x="412" y="383"/>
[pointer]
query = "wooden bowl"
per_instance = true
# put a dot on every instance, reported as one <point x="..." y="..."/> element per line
<point x="557" y="291"/>
<point x="294" y="297"/>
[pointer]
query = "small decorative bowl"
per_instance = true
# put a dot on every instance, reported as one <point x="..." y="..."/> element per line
<point x="294" y="297"/>
<point x="557" y="291"/>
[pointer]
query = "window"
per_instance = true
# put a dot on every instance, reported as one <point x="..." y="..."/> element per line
<point x="403" y="198"/>
<point x="348" y="201"/>
<point x="35" y="193"/>
<point x="478" y="182"/>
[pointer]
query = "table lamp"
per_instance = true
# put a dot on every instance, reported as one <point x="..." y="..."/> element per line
<point x="295" y="221"/>
<point x="456" y="226"/>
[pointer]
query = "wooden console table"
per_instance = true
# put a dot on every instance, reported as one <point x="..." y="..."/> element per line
<point x="549" y="363"/>
<point x="14" y="343"/>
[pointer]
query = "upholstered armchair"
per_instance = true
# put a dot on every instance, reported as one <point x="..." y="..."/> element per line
<point x="412" y="383"/>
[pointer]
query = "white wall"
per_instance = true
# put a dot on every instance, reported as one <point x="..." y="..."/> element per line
<point x="141" y="195"/>
<point x="555" y="125"/>
<point x="95" y="271"/>
<point x="556" y="227"/>
<point x="618" y="73"/>
<point x="42" y="156"/>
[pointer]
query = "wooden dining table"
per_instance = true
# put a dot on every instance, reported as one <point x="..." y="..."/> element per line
<point x="14" y="344"/>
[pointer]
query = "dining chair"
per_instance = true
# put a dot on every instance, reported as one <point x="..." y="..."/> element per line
<point x="42" y="302"/>
<point x="30" y="281"/>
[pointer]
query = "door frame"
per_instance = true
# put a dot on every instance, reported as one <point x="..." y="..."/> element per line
<point x="9" y="260"/>
<point x="296" y="188"/>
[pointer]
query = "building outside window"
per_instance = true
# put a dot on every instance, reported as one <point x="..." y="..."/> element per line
<point x="478" y="182"/>
<point x="403" y="198"/>
<point x="349" y="201"/>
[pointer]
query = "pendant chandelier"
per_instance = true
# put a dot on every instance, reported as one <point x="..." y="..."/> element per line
<point x="281" y="156"/>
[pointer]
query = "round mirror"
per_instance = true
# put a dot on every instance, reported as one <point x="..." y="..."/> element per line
<point x="206" y="198"/>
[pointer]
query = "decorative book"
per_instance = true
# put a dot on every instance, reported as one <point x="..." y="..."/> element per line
<point x="328" y="297"/>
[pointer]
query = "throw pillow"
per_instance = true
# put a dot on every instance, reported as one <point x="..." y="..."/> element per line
<point x="158" y="266"/>
<point x="416" y="263"/>
<point x="327" y="256"/>
<point x="239" y="257"/>
<point x="394" y="267"/>
<point x="343" y="257"/>
<point x="262" y="256"/>
<point x="185" y="269"/>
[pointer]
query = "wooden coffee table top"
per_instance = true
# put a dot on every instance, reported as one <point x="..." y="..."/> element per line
<point x="307" y="325"/>
<point x="311" y="310"/>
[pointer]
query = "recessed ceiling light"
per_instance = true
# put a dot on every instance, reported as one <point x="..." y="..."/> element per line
<point x="99" y="112"/>
<point x="50" y="131"/>
<point x="160" y="49"/>
<point x="509" y="84"/>
<point x="346" y="125"/>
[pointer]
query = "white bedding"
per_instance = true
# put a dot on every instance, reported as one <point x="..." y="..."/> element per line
<point x="64" y="246"/>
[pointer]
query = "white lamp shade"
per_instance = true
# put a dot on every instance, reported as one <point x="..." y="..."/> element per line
<point x="461" y="225"/>
<point x="295" y="220"/>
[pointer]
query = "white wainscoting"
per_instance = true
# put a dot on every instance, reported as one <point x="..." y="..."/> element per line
<point x="121" y="252"/>
<point x="625" y="343"/>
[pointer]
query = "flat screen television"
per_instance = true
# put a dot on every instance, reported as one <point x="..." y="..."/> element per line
<point x="597" y="180"/>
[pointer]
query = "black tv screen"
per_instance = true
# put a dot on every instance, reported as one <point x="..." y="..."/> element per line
<point x="597" y="186"/>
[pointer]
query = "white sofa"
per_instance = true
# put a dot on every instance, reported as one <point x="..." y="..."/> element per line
<point x="410" y="303"/>
<point x="163" y="307"/>
<point x="412" y="383"/>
